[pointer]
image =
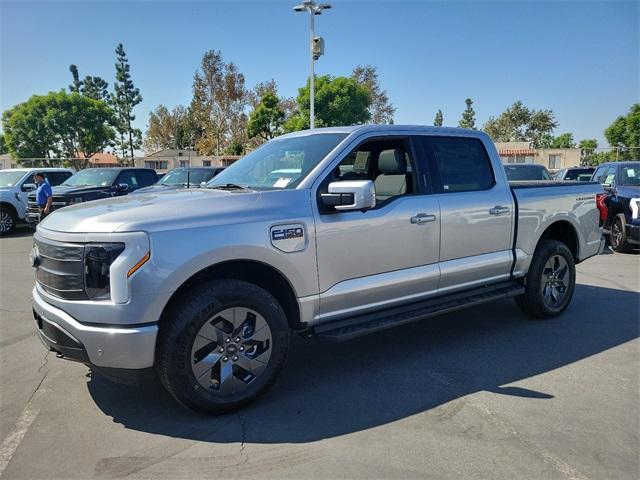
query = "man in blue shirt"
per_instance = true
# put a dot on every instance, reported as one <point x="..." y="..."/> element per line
<point x="44" y="195"/>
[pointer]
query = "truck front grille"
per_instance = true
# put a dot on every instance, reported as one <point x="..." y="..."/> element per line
<point x="33" y="211"/>
<point x="60" y="270"/>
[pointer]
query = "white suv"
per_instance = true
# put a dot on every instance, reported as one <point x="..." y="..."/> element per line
<point x="15" y="185"/>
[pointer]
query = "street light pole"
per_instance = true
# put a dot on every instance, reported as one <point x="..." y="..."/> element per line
<point x="313" y="9"/>
<point x="312" y="78"/>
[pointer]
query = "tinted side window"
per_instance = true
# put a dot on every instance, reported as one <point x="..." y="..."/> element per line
<point x="145" y="178"/>
<point x="463" y="164"/>
<point x="56" y="178"/>
<point x="129" y="178"/>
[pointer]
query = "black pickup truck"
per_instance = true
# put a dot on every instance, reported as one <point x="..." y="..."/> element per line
<point x="619" y="203"/>
<point x="93" y="184"/>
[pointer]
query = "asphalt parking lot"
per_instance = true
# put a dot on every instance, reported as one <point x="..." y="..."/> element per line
<point x="481" y="393"/>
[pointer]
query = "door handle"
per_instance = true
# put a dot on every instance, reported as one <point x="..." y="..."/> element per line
<point x="499" y="210"/>
<point x="423" y="218"/>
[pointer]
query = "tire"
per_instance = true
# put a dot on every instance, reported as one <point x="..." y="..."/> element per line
<point x="618" y="235"/>
<point x="8" y="221"/>
<point x="550" y="282"/>
<point x="221" y="345"/>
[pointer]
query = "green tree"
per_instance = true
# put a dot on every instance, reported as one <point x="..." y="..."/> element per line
<point x="169" y="129"/>
<point x="59" y="124"/>
<point x="234" y="147"/>
<point x="521" y="124"/>
<point x="380" y="110"/>
<point x="439" y="119"/>
<point x="3" y="145"/>
<point x="96" y="88"/>
<point x="564" y="140"/>
<point x="624" y="133"/>
<point x="266" y="120"/>
<point x="77" y="83"/>
<point x="125" y="97"/>
<point x="587" y="149"/>
<point x="219" y="102"/>
<point x="338" y="101"/>
<point x="468" y="119"/>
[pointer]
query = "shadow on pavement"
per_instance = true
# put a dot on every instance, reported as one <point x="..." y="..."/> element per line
<point x="326" y="390"/>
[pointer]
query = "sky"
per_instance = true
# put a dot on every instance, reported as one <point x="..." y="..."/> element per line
<point x="579" y="59"/>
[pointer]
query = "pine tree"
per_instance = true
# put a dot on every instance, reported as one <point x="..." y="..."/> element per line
<point x="126" y="96"/>
<point x="439" y="119"/>
<point x="77" y="84"/>
<point x="468" y="119"/>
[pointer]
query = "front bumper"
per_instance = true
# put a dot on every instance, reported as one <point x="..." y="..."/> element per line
<point x="117" y="347"/>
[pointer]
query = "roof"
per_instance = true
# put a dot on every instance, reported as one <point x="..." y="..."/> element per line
<point x="360" y="129"/>
<point x="38" y="169"/>
<point x="622" y="162"/>
<point x="103" y="158"/>
<point x="515" y="151"/>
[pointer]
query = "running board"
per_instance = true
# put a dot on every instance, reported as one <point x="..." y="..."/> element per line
<point x="342" y="330"/>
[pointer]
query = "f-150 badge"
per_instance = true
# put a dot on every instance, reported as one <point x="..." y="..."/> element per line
<point x="288" y="238"/>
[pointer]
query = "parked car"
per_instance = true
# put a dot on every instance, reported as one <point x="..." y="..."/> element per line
<point x="619" y="203"/>
<point x="526" y="172"/>
<point x="15" y="185"/>
<point x="195" y="177"/>
<point x="206" y="286"/>
<point x="579" y="174"/>
<point x="92" y="184"/>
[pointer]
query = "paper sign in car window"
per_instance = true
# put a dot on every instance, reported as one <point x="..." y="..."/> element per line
<point x="631" y="172"/>
<point x="609" y="179"/>
<point x="282" y="182"/>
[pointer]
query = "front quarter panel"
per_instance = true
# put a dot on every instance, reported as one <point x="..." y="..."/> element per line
<point x="182" y="251"/>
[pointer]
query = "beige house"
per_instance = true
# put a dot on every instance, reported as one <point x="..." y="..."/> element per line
<point x="165" y="160"/>
<point x="552" y="158"/>
<point x="7" y="162"/>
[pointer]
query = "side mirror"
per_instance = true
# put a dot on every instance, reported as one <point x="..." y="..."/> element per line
<point x="28" y="187"/>
<point x="350" y="195"/>
<point x="122" y="187"/>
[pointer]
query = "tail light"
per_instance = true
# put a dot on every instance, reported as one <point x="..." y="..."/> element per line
<point x="602" y="207"/>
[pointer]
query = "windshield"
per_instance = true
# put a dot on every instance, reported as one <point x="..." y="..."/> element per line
<point x="100" y="177"/>
<point x="576" y="173"/>
<point x="279" y="163"/>
<point x="182" y="176"/>
<point x="631" y="175"/>
<point x="526" y="172"/>
<point x="10" y="178"/>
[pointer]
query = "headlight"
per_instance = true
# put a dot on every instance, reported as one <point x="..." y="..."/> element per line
<point x="75" y="200"/>
<point x="98" y="258"/>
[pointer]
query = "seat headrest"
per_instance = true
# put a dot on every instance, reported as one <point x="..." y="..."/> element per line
<point x="392" y="162"/>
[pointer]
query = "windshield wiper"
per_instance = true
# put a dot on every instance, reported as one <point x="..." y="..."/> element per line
<point x="229" y="186"/>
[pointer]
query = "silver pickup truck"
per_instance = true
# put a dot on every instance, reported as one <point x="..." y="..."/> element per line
<point x="362" y="228"/>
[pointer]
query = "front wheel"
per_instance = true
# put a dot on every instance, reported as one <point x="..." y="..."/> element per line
<point x="8" y="221"/>
<point x="550" y="282"/>
<point x="222" y="345"/>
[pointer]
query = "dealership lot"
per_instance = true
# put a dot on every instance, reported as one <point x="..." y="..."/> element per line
<point x="480" y="393"/>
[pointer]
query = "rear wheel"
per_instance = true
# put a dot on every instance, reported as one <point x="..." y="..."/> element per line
<point x="222" y="345"/>
<point x="618" y="235"/>
<point x="8" y="221"/>
<point x="550" y="281"/>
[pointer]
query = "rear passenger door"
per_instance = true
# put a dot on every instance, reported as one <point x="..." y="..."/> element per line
<point x="146" y="178"/>
<point x="476" y="212"/>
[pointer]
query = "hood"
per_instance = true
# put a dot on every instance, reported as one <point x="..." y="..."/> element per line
<point x="64" y="190"/>
<point x="182" y="208"/>
<point x="157" y="188"/>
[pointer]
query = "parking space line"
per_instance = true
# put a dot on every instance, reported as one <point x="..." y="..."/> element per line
<point x="12" y="441"/>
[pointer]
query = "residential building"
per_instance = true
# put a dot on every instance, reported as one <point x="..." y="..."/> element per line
<point x="7" y="162"/>
<point x="552" y="158"/>
<point x="167" y="159"/>
<point x="104" y="159"/>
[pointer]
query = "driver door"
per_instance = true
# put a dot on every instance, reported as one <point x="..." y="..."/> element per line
<point x="383" y="256"/>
